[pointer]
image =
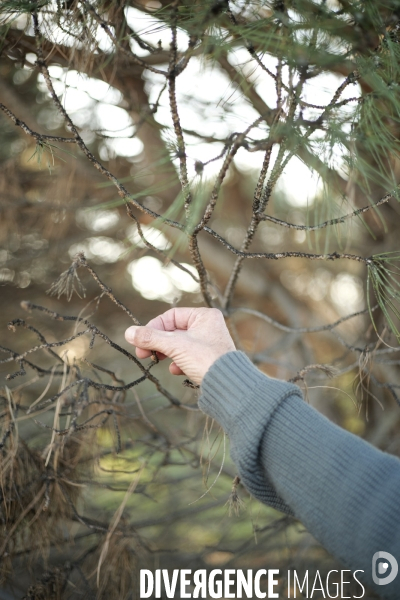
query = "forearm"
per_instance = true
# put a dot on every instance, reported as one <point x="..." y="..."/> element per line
<point x="344" y="491"/>
<point x="291" y="457"/>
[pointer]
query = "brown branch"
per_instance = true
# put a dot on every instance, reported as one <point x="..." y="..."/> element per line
<point x="157" y="250"/>
<point x="94" y="330"/>
<point x="288" y="329"/>
<point x="131" y="55"/>
<point x="172" y="75"/>
<point x="336" y="221"/>
<point x="251" y="231"/>
<point x="258" y="103"/>
<point x="293" y="254"/>
<point x="39" y="137"/>
<point x="122" y="191"/>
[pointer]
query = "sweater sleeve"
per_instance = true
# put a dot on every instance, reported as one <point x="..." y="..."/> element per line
<point x="345" y="491"/>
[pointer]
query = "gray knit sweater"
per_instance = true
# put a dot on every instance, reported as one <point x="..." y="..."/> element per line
<point x="289" y="456"/>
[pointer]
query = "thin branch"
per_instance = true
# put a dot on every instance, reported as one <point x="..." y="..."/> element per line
<point x="172" y="75"/>
<point x="39" y="137"/>
<point x="289" y="329"/>
<point x="336" y="221"/>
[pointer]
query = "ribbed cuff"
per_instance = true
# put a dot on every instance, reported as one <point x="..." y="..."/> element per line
<point x="242" y="399"/>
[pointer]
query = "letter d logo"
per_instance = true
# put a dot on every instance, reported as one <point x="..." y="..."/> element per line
<point x="379" y="569"/>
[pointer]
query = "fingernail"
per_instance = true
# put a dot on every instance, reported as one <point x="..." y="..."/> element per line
<point x="130" y="334"/>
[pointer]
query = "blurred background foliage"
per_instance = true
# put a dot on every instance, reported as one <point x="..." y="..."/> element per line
<point x="266" y="122"/>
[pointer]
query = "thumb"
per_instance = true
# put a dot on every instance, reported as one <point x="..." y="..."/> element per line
<point x="150" y="339"/>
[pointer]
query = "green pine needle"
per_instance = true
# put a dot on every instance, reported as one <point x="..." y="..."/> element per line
<point x="384" y="277"/>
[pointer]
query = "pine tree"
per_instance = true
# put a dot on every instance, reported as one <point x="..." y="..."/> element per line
<point x="155" y="144"/>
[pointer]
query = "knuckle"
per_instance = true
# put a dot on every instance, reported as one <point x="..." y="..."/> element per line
<point x="216" y="313"/>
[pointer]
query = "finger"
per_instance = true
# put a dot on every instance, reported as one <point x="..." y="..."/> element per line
<point x="175" y="370"/>
<point x="172" y="319"/>
<point x="141" y="353"/>
<point x="147" y="338"/>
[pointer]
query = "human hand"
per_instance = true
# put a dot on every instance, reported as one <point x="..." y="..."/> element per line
<point x="193" y="337"/>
